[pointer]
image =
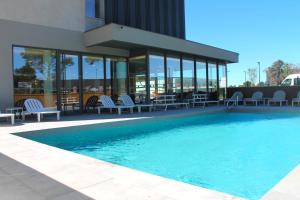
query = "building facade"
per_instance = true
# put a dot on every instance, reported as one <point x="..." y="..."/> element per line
<point x="62" y="52"/>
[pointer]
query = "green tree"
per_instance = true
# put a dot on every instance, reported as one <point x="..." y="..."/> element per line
<point x="247" y="84"/>
<point x="277" y="72"/>
<point x="252" y="74"/>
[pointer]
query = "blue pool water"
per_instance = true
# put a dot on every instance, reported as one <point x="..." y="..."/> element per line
<point x="243" y="154"/>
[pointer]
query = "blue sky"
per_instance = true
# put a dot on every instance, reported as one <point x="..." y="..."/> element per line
<point x="260" y="30"/>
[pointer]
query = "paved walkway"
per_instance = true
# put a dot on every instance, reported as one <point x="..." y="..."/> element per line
<point x="18" y="181"/>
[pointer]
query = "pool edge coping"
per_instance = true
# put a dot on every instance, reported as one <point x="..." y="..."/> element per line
<point x="32" y="154"/>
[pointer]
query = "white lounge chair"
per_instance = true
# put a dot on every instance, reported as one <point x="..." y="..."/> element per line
<point x="256" y="98"/>
<point x="6" y="115"/>
<point x="278" y="97"/>
<point x="34" y="106"/>
<point x="127" y="101"/>
<point x="168" y="100"/>
<point x="296" y="100"/>
<point x="108" y="103"/>
<point x="236" y="98"/>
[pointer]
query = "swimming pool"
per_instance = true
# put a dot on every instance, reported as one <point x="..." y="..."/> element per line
<point x="243" y="154"/>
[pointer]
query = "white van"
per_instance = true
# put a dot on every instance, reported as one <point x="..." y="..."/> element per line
<point x="291" y="80"/>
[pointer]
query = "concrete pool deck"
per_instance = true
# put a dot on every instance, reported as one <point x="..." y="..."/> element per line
<point x="32" y="170"/>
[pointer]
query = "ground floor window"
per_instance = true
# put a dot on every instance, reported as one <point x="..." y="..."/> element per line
<point x="201" y="76"/>
<point x="173" y="75"/>
<point x="69" y="76"/>
<point x="222" y="81"/>
<point x="118" y="67"/>
<point x="138" y="78"/>
<point x="188" y="76"/>
<point x="212" y="80"/>
<point x="93" y="77"/>
<point x="69" y="80"/>
<point x="156" y="75"/>
<point x="35" y="75"/>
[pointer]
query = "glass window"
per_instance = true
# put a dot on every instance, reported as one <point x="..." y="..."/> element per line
<point x="201" y="76"/>
<point x="90" y="8"/>
<point x="287" y="82"/>
<point x="173" y="75"/>
<point x="188" y="76"/>
<point x="297" y="81"/>
<point x="137" y="78"/>
<point x="156" y="75"/>
<point x="69" y="82"/>
<point x="93" y="77"/>
<point x="222" y="81"/>
<point x="117" y="69"/>
<point x="34" y="75"/>
<point x="212" y="80"/>
<point x="108" y="78"/>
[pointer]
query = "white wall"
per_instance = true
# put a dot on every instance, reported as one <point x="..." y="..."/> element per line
<point x="67" y="14"/>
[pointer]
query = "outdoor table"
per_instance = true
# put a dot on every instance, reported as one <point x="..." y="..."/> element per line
<point x="15" y="110"/>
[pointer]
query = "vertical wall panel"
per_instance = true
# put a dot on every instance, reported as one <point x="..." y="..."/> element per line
<point x="161" y="16"/>
<point x="132" y="13"/>
<point x="152" y="15"/>
<point x="121" y="11"/>
<point x="176" y="16"/>
<point x="161" y="11"/>
<point x="143" y="13"/>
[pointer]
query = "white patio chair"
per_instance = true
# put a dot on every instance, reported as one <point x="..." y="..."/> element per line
<point x="256" y="98"/>
<point x="296" y="100"/>
<point x="127" y="101"/>
<point x="34" y="106"/>
<point x="108" y="103"/>
<point x="236" y="98"/>
<point x="278" y="97"/>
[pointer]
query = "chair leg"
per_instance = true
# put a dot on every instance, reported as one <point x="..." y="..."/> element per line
<point x="12" y="120"/>
<point x="119" y="111"/>
<point x="99" y="110"/>
<point x="23" y="116"/>
<point x="39" y="117"/>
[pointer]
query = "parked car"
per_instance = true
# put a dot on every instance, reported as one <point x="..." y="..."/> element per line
<point x="291" y="80"/>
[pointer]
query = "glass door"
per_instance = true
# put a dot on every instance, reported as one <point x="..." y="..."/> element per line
<point x="70" y="83"/>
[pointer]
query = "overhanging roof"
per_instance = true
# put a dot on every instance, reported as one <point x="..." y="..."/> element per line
<point x="119" y="36"/>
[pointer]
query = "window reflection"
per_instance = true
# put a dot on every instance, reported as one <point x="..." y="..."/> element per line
<point x="34" y="75"/>
<point x="156" y="75"/>
<point x="90" y="8"/>
<point x="201" y="76"/>
<point x="212" y="80"/>
<point x="188" y="76"/>
<point x="93" y="77"/>
<point x="117" y="69"/>
<point x="222" y="81"/>
<point x="173" y="75"/>
<point x="137" y="78"/>
<point x="69" y="82"/>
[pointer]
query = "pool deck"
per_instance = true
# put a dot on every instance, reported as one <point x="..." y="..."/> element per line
<point x="31" y="170"/>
